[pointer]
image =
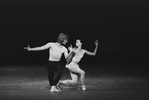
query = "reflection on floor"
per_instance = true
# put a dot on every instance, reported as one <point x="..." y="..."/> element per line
<point x="103" y="82"/>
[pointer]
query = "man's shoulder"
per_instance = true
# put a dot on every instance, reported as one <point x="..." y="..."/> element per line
<point x="64" y="48"/>
<point x="51" y="43"/>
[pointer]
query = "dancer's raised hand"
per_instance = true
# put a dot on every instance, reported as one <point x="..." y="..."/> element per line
<point x="96" y="42"/>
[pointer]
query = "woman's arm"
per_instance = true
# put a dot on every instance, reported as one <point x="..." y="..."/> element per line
<point x="95" y="50"/>
<point x="38" y="48"/>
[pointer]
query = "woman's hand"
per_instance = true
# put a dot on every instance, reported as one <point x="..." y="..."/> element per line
<point x="96" y="42"/>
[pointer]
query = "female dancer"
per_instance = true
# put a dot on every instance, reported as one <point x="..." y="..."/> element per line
<point x="73" y="66"/>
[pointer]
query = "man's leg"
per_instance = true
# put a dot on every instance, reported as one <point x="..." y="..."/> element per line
<point x="50" y="71"/>
<point x="59" y="71"/>
<point x="51" y="68"/>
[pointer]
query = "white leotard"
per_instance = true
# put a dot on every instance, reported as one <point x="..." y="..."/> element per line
<point x="78" y="56"/>
<point x="76" y="59"/>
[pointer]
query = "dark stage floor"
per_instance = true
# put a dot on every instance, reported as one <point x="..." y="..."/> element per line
<point x="103" y="82"/>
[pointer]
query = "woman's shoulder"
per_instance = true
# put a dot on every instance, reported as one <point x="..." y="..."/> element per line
<point x="83" y="50"/>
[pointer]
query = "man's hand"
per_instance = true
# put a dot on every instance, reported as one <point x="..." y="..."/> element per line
<point x="71" y="48"/>
<point x="27" y="48"/>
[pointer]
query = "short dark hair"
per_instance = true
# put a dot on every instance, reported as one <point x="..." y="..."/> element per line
<point x="62" y="37"/>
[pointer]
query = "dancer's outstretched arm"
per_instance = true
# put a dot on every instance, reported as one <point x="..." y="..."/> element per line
<point x="38" y="48"/>
<point x="95" y="50"/>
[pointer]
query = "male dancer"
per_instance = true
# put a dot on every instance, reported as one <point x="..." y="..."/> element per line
<point x="56" y="49"/>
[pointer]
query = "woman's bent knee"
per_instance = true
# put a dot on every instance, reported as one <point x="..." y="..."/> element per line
<point x="83" y="72"/>
<point x="74" y="81"/>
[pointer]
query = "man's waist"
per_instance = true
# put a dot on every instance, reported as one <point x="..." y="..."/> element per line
<point x="54" y="59"/>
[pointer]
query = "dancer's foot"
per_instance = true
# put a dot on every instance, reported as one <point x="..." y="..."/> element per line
<point x="58" y="86"/>
<point x="83" y="88"/>
<point x="54" y="89"/>
<point x="62" y="82"/>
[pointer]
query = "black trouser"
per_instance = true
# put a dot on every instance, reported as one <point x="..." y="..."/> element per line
<point x="55" y="71"/>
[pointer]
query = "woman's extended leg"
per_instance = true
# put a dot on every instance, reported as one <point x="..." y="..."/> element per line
<point x="82" y="73"/>
<point x="73" y="80"/>
<point x="74" y="70"/>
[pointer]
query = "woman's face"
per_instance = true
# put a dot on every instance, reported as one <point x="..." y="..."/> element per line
<point x="78" y="42"/>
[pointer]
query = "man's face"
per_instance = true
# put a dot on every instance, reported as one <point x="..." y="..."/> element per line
<point x="65" y="41"/>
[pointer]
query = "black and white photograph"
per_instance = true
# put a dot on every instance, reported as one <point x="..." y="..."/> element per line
<point x="74" y="50"/>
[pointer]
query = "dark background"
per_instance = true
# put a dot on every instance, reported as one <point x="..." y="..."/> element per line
<point x="121" y="26"/>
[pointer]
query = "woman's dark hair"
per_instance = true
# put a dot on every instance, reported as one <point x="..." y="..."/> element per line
<point x="62" y="37"/>
<point x="81" y="40"/>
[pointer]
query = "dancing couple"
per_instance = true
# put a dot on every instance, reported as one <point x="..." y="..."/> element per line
<point x="54" y="66"/>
